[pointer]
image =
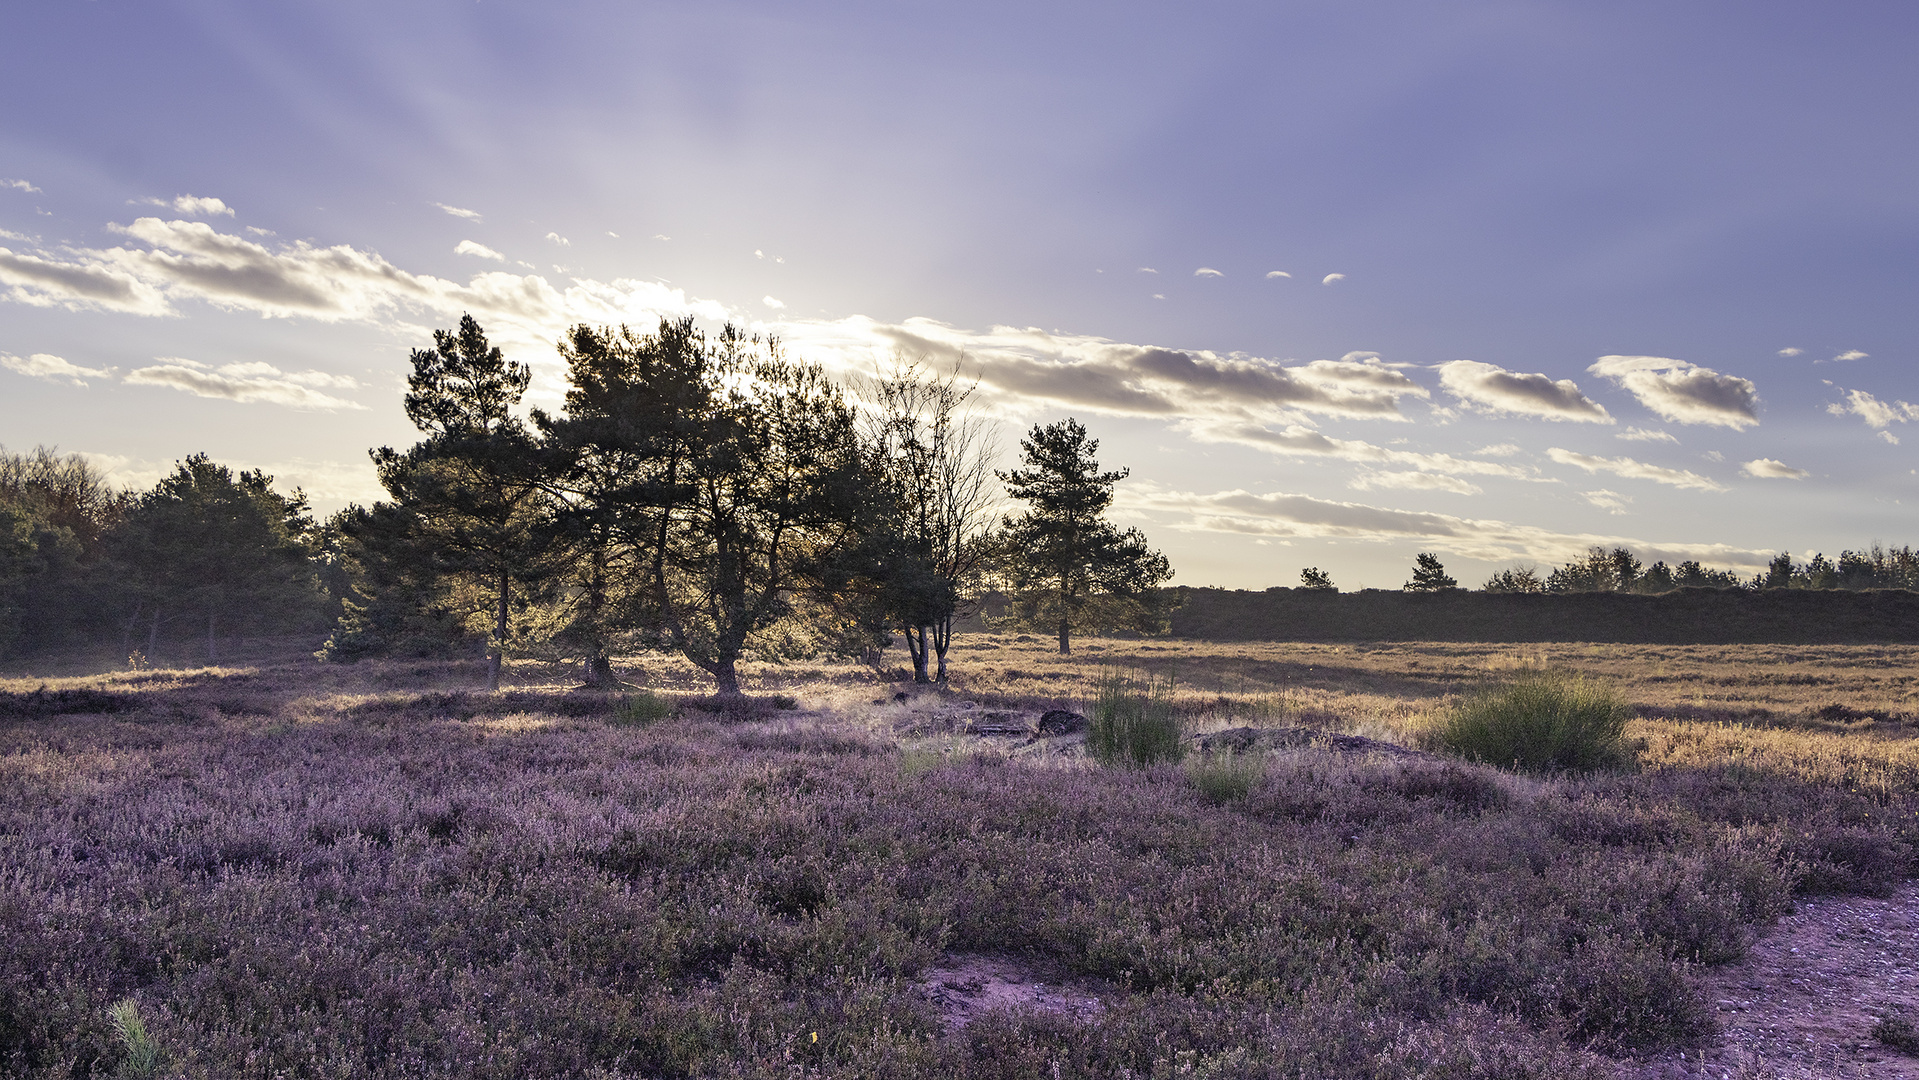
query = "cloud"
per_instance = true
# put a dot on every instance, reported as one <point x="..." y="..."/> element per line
<point x="1299" y="441"/>
<point x="1635" y="434"/>
<point x="558" y="239"/>
<point x="1413" y="481"/>
<point x="612" y="234"/>
<point x="1207" y="271"/>
<point x="1874" y="412"/>
<point x="49" y="366"/>
<point x="1145" y="270"/>
<point x="1849" y="354"/>
<point x="194" y="205"/>
<point x="246" y="382"/>
<point x="1611" y="502"/>
<point x="43" y="282"/>
<point x="1289" y="515"/>
<point x="658" y="236"/>
<point x="459" y="212"/>
<point x="1635" y="470"/>
<point x="1494" y="389"/>
<point x="20" y="185"/>
<point x="1330" y="278"/>
<point x="1504" y="449"/>
<point x="1768" y="469"/>
<point x="772" y="303"/>
<point x="1277" y="273"/>
<point x="1889" y="437"/>
<point x="1791" y="350"/>
<point x="1682" y="392"/>
<point x="479" y="250"/>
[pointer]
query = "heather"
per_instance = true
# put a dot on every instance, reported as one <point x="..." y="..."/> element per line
<point x="370" y="871"/>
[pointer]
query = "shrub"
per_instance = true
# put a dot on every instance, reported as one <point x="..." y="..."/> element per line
<point x="1896" y="1029"/>
<point x="1542" y="721"/>
<point x="1134" y="725"/>
<point x="1226" y="777"/>
<point x="645" y="707"/>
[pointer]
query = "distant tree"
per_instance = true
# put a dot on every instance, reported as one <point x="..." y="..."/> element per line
<point x="227" y="550"/>
<point x="1313" y="579"/>
<point x="57" y="586"/>
<point x="470" y="491"/>
<point x="1658" y="578"/>
<point x="933" y="459"/>
<point x="1820" y="573"/>
<point x="1779" y="572"/>
<point x="1429" y="575"/>
<point x="1690" y="574"/>
<point x="1063" y="559"/>
<point x="1522" y="579"/>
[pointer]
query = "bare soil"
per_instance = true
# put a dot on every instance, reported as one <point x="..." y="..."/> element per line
<point x="967" y="985"/>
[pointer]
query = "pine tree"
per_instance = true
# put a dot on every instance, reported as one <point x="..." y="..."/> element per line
<point x="1063" y="559"/>
<point x="1313" y="579"/>
<point x="1429" y="575"/>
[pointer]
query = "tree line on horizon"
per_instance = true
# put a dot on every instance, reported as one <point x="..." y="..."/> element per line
<point x="703" y="495"/>
<point x="1620" y="570"/>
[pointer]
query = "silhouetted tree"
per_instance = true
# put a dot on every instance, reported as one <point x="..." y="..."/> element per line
<point x="1429" y="575"/>
<point x="1063" y="559"/>
<point x="1521" y="579"/>
<point x="1313" y="579"/>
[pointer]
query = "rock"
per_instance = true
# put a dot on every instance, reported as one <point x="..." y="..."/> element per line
<point x="901" y="696"/>
<point x="1061" y="722"/>
<point x="999" y="723"/>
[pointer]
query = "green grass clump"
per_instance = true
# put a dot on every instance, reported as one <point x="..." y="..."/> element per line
<point x="143" y="1053"/>
<point x="1542" y="721"/>
<point x="645" y="707"/>
<point x="1134" y="724"/>
<point x="1226" y="777"/>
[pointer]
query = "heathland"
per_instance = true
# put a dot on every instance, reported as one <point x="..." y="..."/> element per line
<point x="303" y="869"/>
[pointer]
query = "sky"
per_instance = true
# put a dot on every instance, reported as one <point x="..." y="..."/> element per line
<point x="1338" y="282"/>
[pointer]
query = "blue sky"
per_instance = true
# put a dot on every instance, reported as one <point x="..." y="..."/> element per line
<point x="1339" y="282"/>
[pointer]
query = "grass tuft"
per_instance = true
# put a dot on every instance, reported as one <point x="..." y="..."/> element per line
<point x="143" y="1053"/>
<point x="645" y="707"/>
<point x="1134" y="724"/>
<point x="1543" y="722"/>
<point x="1226" y="777"/>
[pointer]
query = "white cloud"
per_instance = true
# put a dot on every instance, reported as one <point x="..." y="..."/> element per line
<point x="1207" y="271"/>
<point x="1791" y="350"/>
<point x="1874" y="412"/>
<point x="193" y="205"/>
<point x="758" y="254"/>
<point x="1889" y="437"/>
<point x="1611" y="502"/>
<point x="1635" y="470"/>
<point x="1769" y="469"/>
<point x="20" y="185"/>
<point x="91" y="282"/>
<point x="558" y="239"/>
<point x="479" y="250"/>
<point x="258" y="231"/>
<point x="459" y="212"/>
<point x="1304" y="517"/>
<point x="1849" y="354"/>
<point x="1299" y="441"/>
<point x="612" y="234"/>
<point x="1683" y="392"/>
<point x="1504" y="449"/>
<point x="1636" y="434"/>
<point x="772" y="303"/>
<point x="49" y="366"/>
<point x="1277" y="273"/>
<point x="658" y="236"/>
<point x="1330" y="278"/>
<point x="1159" y="296"/>
<point x="1145" y="270"/>
<point x="1494" y="389"/>
<point x="1413" y="481"/>
<point x="246" y="382"/>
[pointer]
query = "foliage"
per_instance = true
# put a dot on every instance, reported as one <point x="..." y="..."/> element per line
<point x="57" y="585"/>
<point x="1135" y="725"/>
<point x="645" y="707"/>
<point x="1522" y="579"/>
<point x="1429" y="575"/>
<point x="1313" y="579"/>
<point x="1541" y="721"/>
<point x="1225" y="777"/>
<point x="142" y="1053"/>
<point x="1066" y="564"/>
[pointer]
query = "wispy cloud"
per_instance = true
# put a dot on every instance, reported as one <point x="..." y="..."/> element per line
<point x="1769" y="469"/>
<point x="247" y="382"/>
<point x="1635" y="470"/>
<point x="1636" y="434"/>
<point x="772" y="303"/>
<point x="1490" y="388"/>
<point x="1330" y="278"/>
<point x="193" y="205"/>
<point x="1848" y="355"/>
<point x="1303" y="442"/>
<point x="20" y="185"/>
<point x="1207" y="271"/>
<point x="1413" y="481"/>
<point x="49" y="366"/>
<point x="1282" y="514"/>
<point x="479" y="250"/>
<point x="1874" y="412"/>
<point x="1611" y="502"/>
<point x="558" y="239"/>
<point x="1145" y="270"/>
<point x="1791" y="350"/>
<point x="459" y="212"/>
<point x="1683" y="392"/>
<point x="1277" y="273"/>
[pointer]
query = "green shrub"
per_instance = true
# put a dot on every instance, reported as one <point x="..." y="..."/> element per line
<point x="143" y="1054"/>
<point x="645" y="707"/>
<point x="1896" y="1029"/>
<point x="1134" y="724"/>
<point x="1542" y="721"/>
<point x="1226" y="777"/>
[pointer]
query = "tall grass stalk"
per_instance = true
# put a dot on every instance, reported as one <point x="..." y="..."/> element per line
<point x="1542" y="721"/>
<point x="143" y="1053"/>
<point x="1134" y="723"/>
<point x="645" y="707"/>
<point x="1226" y="777"/>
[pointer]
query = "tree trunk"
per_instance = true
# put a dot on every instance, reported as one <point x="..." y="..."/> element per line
<point x="1065" y="636"/>
<point x="916" y="647"/>
<point x="126" y="639"/>
<point x="942" y="640"/>
<point x="599" y="671"/>
<point x="498" y="652"/>
<point x="727" y="677"/>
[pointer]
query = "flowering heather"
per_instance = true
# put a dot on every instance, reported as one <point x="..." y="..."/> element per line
<point x="290" y="879"/>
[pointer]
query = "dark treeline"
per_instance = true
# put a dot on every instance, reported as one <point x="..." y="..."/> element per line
<point x="705" y="495"/>
<point x="1619" y="570"/>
